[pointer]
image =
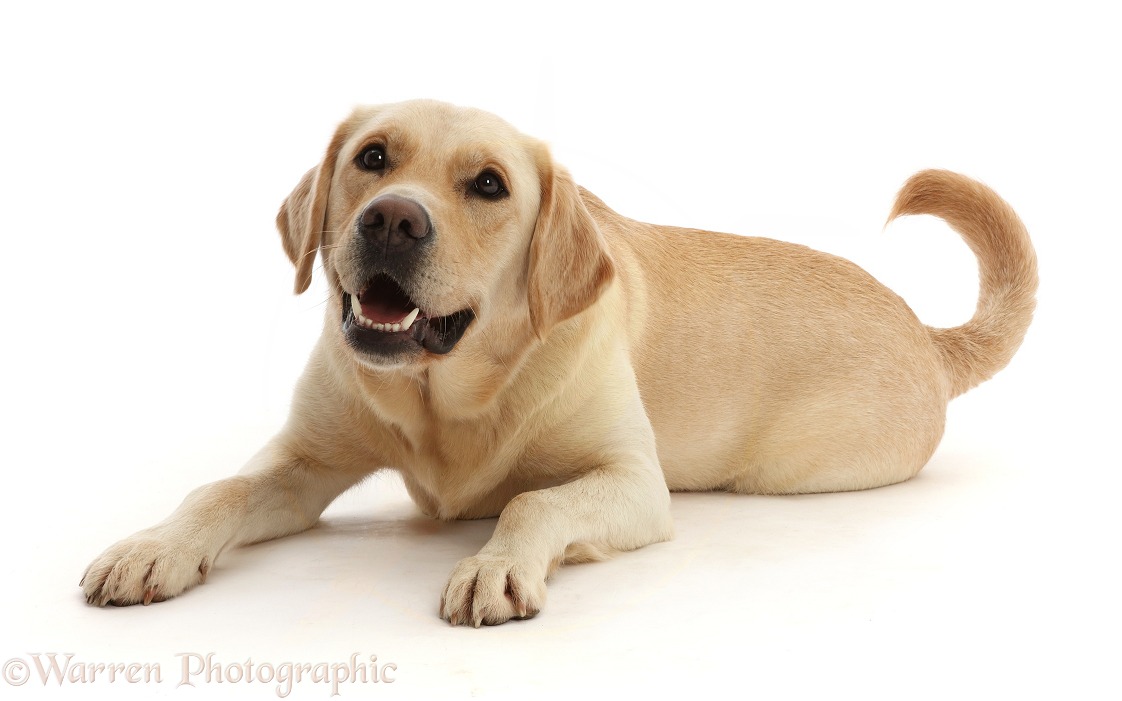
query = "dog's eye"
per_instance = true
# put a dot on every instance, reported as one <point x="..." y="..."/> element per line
<point x="489" y="185"/>
<point x="372" y="158"/>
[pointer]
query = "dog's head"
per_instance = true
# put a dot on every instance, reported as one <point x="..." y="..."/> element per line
<point x="436" y="223"/>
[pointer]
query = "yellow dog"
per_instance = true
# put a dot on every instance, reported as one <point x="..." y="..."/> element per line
<point x="515" y="348"/>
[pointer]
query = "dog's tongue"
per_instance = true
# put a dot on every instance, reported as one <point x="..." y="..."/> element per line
<point x="383" y="312"/>
<point x="384" y="302"/>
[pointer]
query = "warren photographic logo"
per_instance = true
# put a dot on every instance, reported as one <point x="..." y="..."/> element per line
<point x="194" y="669"/>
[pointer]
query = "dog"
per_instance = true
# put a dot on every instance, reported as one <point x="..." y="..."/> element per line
<point x="515" y="348"/>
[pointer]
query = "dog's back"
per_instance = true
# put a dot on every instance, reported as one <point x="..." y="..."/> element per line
<point x="770" y="367"/>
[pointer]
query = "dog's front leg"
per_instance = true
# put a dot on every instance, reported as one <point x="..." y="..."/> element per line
<point x="277" y="493"/>
<point x="620" y="505"/>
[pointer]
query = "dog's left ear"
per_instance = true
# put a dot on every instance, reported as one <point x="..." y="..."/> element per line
<point x="570" y="264"/>
<point x="301" y="216"/>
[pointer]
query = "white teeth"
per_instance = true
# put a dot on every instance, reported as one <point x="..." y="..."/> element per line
<point x="409" y="319"/>
<point x="403" y="325"/>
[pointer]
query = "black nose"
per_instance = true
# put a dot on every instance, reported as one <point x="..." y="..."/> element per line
<point x="394" y="224"/>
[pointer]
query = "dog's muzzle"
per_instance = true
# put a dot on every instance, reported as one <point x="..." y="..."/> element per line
<point x="381" y="319"/>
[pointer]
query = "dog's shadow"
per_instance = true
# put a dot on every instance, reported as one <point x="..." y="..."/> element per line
<point x="374" y="539"/>
<point x="403" y="558"/>
<point x="395" y="543"/>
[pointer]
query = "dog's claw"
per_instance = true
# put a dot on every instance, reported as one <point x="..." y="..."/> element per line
<point x="146" y="568"/>
<point x="490" y="590"/>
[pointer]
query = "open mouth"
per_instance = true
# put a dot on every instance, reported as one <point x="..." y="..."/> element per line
<point x="382" y="320"/>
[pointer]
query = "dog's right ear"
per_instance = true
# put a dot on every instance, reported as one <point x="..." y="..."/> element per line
<point x="301" y="216"/>
<point x="301" y="229"/>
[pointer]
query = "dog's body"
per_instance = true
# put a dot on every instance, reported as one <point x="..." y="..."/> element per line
<point x="552" y="340"/>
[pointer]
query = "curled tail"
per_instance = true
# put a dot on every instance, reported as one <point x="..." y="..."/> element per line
<point x="975" y="351"/>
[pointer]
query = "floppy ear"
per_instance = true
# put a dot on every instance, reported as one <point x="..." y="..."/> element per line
<point x="301" y="216"/>
<point x="570" y="265"/>
<point x="299" y="235"/>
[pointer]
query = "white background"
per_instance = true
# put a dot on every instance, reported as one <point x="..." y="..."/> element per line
<point x="150" y="340"/>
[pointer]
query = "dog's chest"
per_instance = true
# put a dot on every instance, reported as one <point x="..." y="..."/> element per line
<point x="457" y="470"/>
<point x="460" y="457"/>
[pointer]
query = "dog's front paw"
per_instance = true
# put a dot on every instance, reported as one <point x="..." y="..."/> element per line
<point x="146" y="567"/>
<point x="489" y="590"/>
